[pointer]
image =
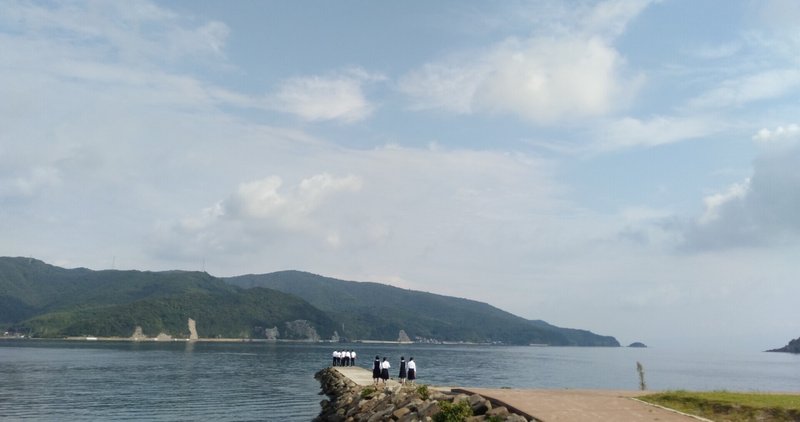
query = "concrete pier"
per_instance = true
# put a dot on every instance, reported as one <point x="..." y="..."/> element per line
<point x="580" y="405"/>
<point x="556" y="405"/>
<point x="362" y="376"/>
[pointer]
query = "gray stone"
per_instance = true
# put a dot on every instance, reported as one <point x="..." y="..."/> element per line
<point x="379" y="416"/>
<point x="429" y="409"/>
<point x="410" y="417"/>
<point x="478" y="404"/>
<point x="415" y="403"/>
<point x="399" y="413"/>
<point x="498" y="411"/>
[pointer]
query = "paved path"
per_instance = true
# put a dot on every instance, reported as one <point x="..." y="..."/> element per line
<point x="580" y="405"/>
<point x="558" y="405"/>
<point x="361" y="376"/>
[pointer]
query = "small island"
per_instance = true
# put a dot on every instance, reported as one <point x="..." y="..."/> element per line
<point x="792" y="347"/>
<point x="638" y="344"/>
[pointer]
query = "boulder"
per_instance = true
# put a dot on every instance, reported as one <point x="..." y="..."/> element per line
<point x="479" y="405"/>
<point x="429" y="409"/>
<point x="409" y="417"/>
<point x="399" y="413"/>
<point x="500" y="412"/>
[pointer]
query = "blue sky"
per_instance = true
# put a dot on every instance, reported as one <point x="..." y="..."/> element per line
<point x="624" y="166"/>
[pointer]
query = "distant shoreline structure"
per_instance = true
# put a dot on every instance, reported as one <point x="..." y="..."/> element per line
<point x="167" y="339"/>
<point x="157" y="340"/>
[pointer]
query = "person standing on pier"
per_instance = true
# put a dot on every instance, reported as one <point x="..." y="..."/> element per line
<point x="376" y="369"/>
<point x="412" y="370"/>
<point x="402" y="375"/>
<point x="385" y="370"/>
<point x="346" y="356"/>
<point x="335" y="357"/>
<point x="352" y="357"/>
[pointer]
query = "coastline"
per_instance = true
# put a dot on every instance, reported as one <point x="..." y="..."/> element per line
<point x="155" y="339"/>
<point x="168" y="338"/>
<point x="353" y="397"/>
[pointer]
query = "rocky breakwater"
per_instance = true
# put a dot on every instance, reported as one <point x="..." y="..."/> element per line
<point x="349" y="402"/>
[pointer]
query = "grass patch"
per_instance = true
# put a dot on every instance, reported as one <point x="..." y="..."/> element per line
<point x="368" y="392"/>
<point x="731" y="407"/>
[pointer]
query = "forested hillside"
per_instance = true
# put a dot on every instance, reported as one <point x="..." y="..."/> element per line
<point x="48" y="301"/>
<point x="377" y="311"/>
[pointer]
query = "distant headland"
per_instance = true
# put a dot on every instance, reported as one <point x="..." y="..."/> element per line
<point x="792" y="347"/>
<point x="45" y="301"/>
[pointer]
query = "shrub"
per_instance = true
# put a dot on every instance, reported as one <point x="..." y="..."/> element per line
<point x="453" y="412"/>
<point x="367" y="392"/>
<point x="423" y="392"/>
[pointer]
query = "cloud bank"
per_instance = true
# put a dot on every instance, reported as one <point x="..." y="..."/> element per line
<point x="545" y="79"/>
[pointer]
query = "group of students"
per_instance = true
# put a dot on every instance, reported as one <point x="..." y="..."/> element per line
<point x="344" y="357"/>
<point x="380" y="370"/>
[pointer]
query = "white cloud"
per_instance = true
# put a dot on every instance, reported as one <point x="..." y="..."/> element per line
<point x="263" y="199"/>
<point x="32" y="183"/>
<point x="135" y="32"/>
<point x="739" y="91"/>
<point x="398" y="205"/>
<point x="256" y="209"/>
<point x="631" y="132"/>
<point x="449" y="86"/>
<point x="544" y="78"/>
<point x="610" y="18"/>
<point x="317" y="98"/>
<point x="788" y="134"/>
<point x="759" y="212"/>
<point x="718" y="201"/>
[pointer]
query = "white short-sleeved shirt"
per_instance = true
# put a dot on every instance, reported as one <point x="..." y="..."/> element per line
<point x="385" y="365"/>
<point x="412" y="365"/>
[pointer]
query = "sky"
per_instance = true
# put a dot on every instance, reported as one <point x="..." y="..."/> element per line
<point x="623" y="166"/>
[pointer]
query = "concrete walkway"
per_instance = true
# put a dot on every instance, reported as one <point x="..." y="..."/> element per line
<point x="362" y="376"/>
<point x="580" y="405"/>
<point x="556" y="405"/>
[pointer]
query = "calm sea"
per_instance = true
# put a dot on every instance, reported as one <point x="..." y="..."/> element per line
<point x="58" y="380"/>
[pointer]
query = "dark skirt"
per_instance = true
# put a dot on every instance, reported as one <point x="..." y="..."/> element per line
<point x="385" y="374"/>
<point x="376" y="370"/>
<point x="412" y="374"/>
<point x="402" y="370"/>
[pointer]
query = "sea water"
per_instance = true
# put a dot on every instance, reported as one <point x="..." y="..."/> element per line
<point x="68" y="380"/>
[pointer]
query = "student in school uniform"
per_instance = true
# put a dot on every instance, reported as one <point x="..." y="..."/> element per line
<point x="412" y="370"/>
<point x="376" y="370"/>
<point x="352" y="357"/>
<point x="402" y="375"/>
<point x="346" y="354"/>
<point x="335" y="356"/>
<point x="385" y="369"/>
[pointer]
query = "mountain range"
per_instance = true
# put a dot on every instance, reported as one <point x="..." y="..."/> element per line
<point x="48" y="301"/>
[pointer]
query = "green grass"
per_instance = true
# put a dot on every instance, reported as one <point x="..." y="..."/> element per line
<point x="733" y="407"/>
